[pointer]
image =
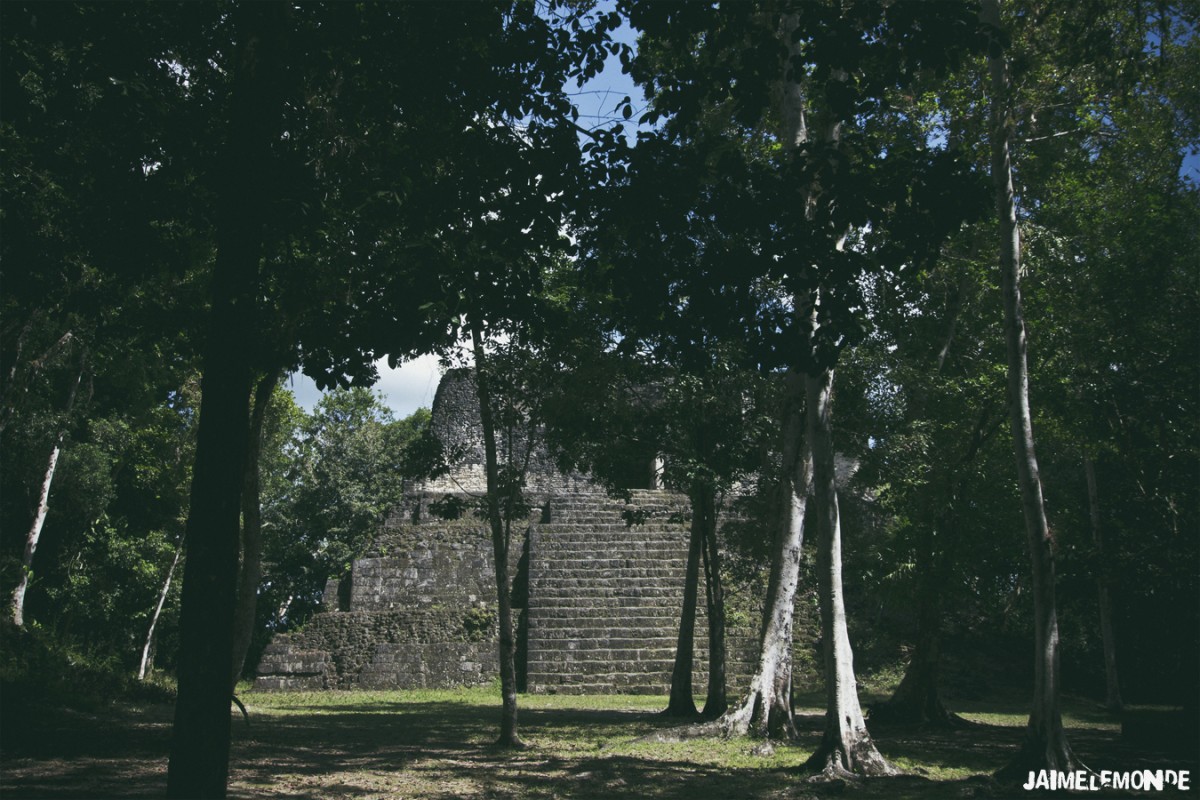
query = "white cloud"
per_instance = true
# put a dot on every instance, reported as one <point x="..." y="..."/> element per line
<point x="405" y="389"/>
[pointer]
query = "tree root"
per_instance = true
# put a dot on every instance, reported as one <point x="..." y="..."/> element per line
<point x="1037" y="754"/>
<point x="684" y="733"/>
<point x="242" y="708"/>
<point x="832" y="762"/>
<point x="511" y="743"/>
<point x="904" y="715"/>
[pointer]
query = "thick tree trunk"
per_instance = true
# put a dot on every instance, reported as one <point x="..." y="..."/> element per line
<point x="681" y="702"/>
<point x="1112" y="686"/>
<point x="917" y="700"/>
<point x="766" y="710"/>
<point x="199" y="762"/>
<point x="716" y="702"/>
<point x="250" y="572"/>
<point x="148" y="647"/>
<point x="846" y="747"/>
<point x="43" y="508"/>
<point x="1045" y="745"/>
<point x="500" y="530"/>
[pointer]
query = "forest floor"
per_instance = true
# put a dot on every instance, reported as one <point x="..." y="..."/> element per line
<point x="426" y="744"/>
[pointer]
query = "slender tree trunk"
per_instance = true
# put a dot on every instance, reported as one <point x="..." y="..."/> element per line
<point x="766" y="710"/>
<point x="1045" y="745"/>
<point x="43" y="508"/>
<point x="681" y="702"/>
<point x="18" y="380"/>
<point x="250" y="572"/>
<point x="716" y="702"/>
<point x="148" y="648"/>
<point x="500" y="529"/>
<point x="846" y="747"/>
<point x="284" y="607"/>
<point x="199" y="762"/>
<point x="1112" y="686"/>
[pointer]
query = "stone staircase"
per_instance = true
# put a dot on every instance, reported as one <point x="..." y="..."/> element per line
<point x="602" y="616"/>
<point x="605" y="596"/>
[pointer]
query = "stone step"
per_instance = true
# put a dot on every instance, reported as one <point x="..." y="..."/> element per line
<point x="620" y="609"/>
<point x="579" y="688"/>
<point x="629" y="600"/>
<point x="636" y="501"/>
<point x="563" y="566"/>
<point x="626" y="657"/>
<point x="631" y="569"/>
<point x="628" y="640"/>
<point x="610" y="600"/>
<point x="579" y="585"/>
<point x="567" y="582"/>
<point x="643" y="553"/>
<point x="609" y="525"/>
<point x="617" y="509"/>
<point x="640" y="549"/>
<point x="591" y="540"/>
<point x="581" y="623"/>
<point x="560" y="624"/>
<point x="611" y="677"/>
<point x="599" y="669"/>
<point x="557" y="632"/>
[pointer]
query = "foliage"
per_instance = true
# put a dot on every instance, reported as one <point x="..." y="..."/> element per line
<point x="331" y="478"/>
<point x="42" y="667"/>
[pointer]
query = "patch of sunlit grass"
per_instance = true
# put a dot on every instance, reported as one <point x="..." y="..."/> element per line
<point x="933" y="770"/>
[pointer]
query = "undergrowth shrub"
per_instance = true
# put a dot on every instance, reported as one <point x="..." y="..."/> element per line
<point x="40" y="668"/>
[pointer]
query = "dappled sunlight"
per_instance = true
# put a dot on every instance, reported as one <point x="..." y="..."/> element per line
<point x="440" y="744"/>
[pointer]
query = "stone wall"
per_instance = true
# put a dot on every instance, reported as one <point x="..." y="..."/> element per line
<point x="418" y="611"/>
<point x="597" y="599"/>
<point x="455" y="422"/>
<point x="411" y="649"/>
<point x="424" y="564"/>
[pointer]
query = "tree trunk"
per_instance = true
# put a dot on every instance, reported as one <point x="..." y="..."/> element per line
<point x="18" y="380"/>
<point x="767" y="709"/>
<point x="917" y="700"/>
<point x="500" y="529"/>
<point x="250" y="572"/>
<point x="681" y="702"/>
<point x="1112" y="686"/>
<point x="846" y="747"/>
<point x="148" y="648"/>
<point x="716" y="702"/>
<point x="199" y="762"/>
<point x="43" y="508"/>
<point x="1045" y="745"/>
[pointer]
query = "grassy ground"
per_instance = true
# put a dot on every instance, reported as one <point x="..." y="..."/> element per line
<point x="437" y="745"/>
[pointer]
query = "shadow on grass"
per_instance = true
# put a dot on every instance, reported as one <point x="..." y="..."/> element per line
<point x="391" y="749"/>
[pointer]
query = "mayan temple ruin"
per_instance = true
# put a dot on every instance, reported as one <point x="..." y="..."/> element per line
<point x="597" y="600"/>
